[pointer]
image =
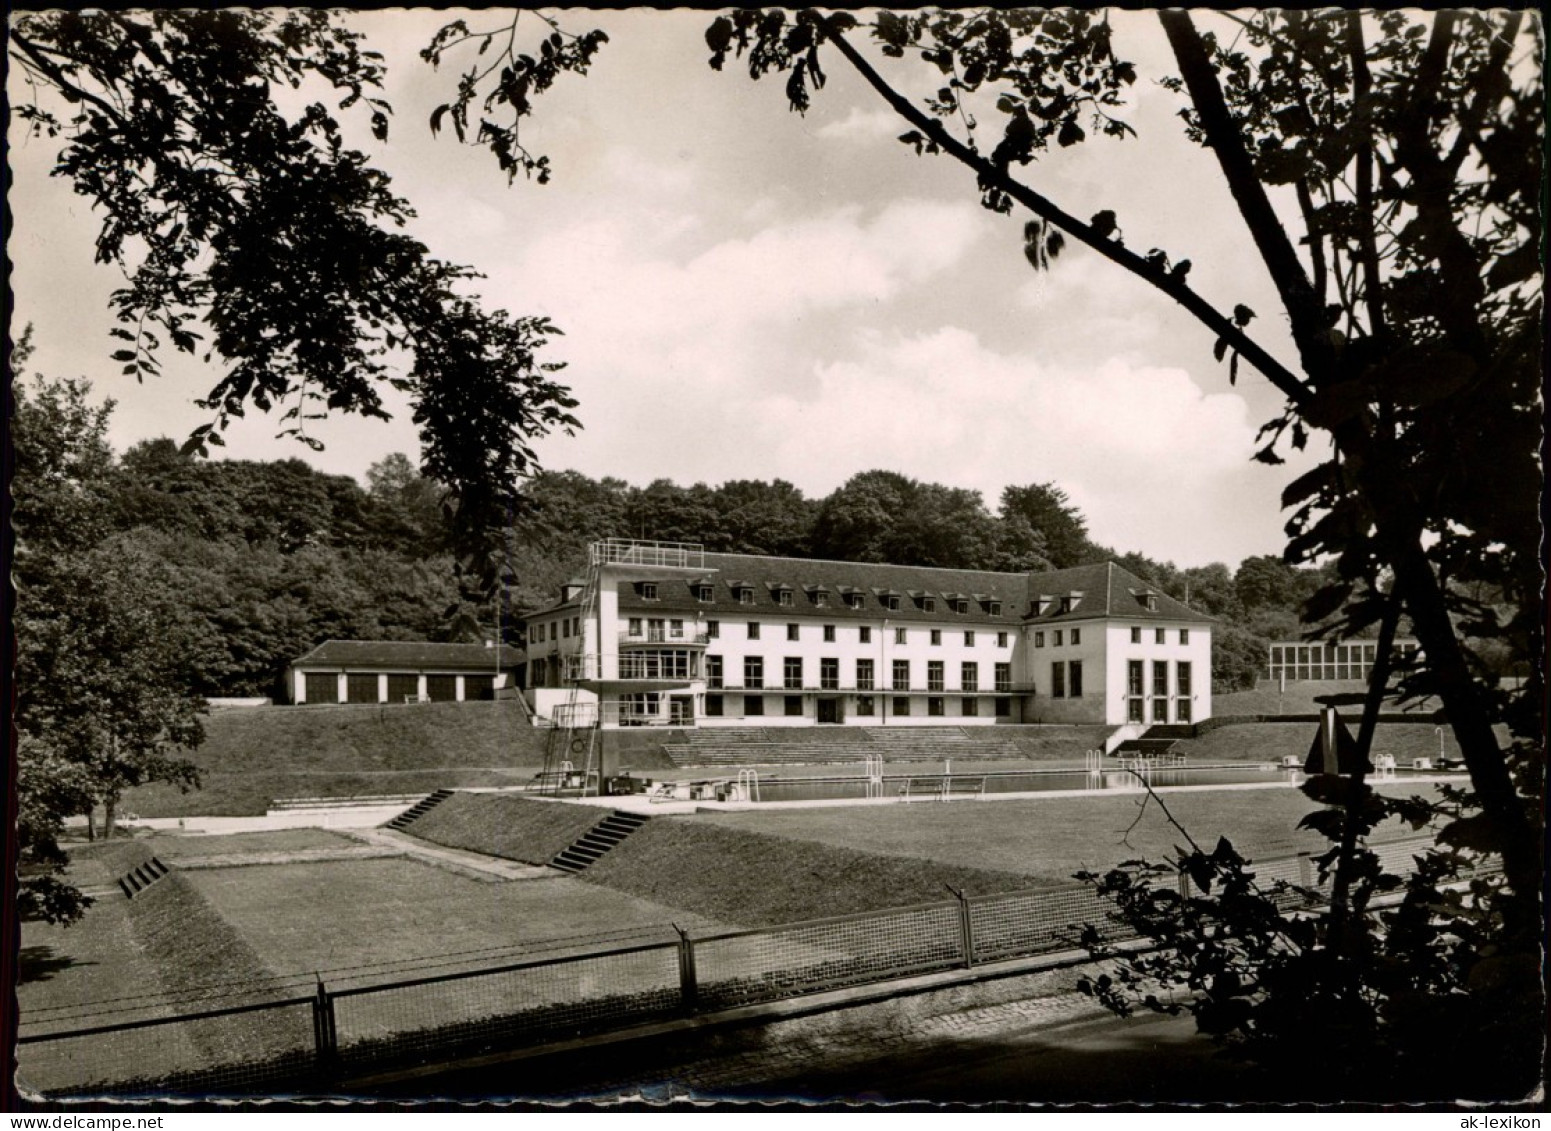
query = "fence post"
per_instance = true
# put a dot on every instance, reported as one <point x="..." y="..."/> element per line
<point x="1305" y="870"/>
<point x="689" y="986"/>
<point x="966" y="927"/>
<point x="1184" y="885"/>
<point x="324" y="1034"/>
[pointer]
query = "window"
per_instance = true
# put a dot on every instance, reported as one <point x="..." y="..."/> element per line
<point x="713" y="706"/>
<point x="1133" y="677"/>
<point x="1184" y="636"/>
<point x="1182" y="710"/>
<point x="821" y="599"/>
<point x="934" y="675"/>
<point x="791" y="632"/>
<point x="1160" y="677"/>
<point x="864" y="634"/>
<point x="1057" y="638"/>
<point x="1136" y="635"/>
<point x="864" y="706"/>
<point x="648" y="591"/>
<point x="753" y="630"/>
<point x="928" y="605"/>
<point x="969" y="706"/>
<point x="745" y="596"/>
<point x="1066" y="604"/>
<point x="794" y="705"/>
<point x="635" y="626"/>
<point x="793" y="671"/>
<point x="754" y="671"/>
<point x="1074" y="679"/>
<point x="713" y="630"/>
<point x="1058" y="680"/>
<point x="1134" y="710"/>
<point x="969" y="638"/>
<point x="654" y="630"/>
<point x="934" y="706"/>
<point x="1003" y="677"/>
<point x="994" y="608"/>
<point x="901" y="706"/>
<point x="753" y="705"/>
<point x="829" y="673"/>
<point x="1160" y="710"/>
<point x="864" y="675"/>
<point x="936" y="636"/>
<point x="1182" y="679"/>
<point x="891" y="604"/>
<point x="901" y="675"/>
<point x="784" y="597"/>
<point x="1002" y="707"/>
<point x="900" y="636"/>
<point x="676" y="630"/>
<point x="1076" y="636"/>
<point x="960" y="606"/>
<point x="703" y="594"/>
<point x="1160" y="636"/>
<point x="969" y="676"/>
<point x="713" y="671"/>
<point x="1039" y="640"/>
<point x="829" y="634"/>
<point x="565" y="627"/>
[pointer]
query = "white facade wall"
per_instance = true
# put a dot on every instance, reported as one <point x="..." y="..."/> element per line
<point x="1121" y="650"/>
<point x="1040" y="655"/>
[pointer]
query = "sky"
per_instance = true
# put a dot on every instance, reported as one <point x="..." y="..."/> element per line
<point x="749" y="293"/>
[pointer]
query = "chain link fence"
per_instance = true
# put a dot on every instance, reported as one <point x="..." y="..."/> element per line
<point x="285" y="1047"/>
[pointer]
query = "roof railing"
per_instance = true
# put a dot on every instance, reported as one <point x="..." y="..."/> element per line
<point x="632" y="551"/>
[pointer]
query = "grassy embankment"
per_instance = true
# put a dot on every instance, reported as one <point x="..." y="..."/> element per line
<point x="251" y="757"/>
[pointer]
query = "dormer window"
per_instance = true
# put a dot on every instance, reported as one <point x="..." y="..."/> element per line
<point x="928" y="604"/>
<point x="854" y="600"/>
<point x="961" y="606"/>
<point x="994" y="608"/>
<point x="1042" y="606"/>
<point x="1066" y="604"/>
<point x="821" y="599"/>
<point x="891" y="603"/>
<point x="703" y="594"/>
<point x="1150" y="601"/>
<point x="745" y="596"/>
<point x="648" y="591"/>
<point x="783" y="597"/>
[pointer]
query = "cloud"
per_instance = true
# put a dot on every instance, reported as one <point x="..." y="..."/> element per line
<point x="862" y="125"/>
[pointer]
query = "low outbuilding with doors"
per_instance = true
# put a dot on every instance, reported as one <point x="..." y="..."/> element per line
<point x="399" y="671"/>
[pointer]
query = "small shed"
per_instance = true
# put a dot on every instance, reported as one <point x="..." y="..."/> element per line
<point x="400" y="671"/>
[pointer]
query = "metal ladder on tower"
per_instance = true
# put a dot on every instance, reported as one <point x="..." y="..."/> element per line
<point x="576" y="732"/>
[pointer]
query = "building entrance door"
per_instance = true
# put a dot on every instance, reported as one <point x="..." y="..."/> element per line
<point x="829" y="710"/>
<point x="681" y="711"/>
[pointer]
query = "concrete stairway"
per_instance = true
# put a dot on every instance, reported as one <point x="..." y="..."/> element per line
<point x="142" y="876"/>
<point x="596" y="841"/>
<point x="420" y="809"/>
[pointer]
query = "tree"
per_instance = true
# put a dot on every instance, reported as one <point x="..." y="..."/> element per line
<point x="1047" y="510"/>
<point x="262" y="242"/>
<point x="103" y="647"/>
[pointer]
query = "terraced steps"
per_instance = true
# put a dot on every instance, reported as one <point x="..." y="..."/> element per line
<point x="142" y="876"/>
<point x="597" y="841"/>
<point x="420" y="809"/>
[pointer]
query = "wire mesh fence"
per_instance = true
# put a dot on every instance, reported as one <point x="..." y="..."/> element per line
<point x="528" y="1003"/>
<point x="576" y="989"/>
<point x="756" y="966"/>
<point x="262" y="1049"/>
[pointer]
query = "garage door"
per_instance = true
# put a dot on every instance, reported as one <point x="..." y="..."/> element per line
<point x="361" y="687"/>
<point x="403" y="688"/>
<point x="478" y="686"/>
<point x="441" y="688"/>
<point x="322" y="687"/>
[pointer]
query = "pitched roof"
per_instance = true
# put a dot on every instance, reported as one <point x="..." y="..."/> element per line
<point x="1105" y="589"/>
<point x="407" y="654"/>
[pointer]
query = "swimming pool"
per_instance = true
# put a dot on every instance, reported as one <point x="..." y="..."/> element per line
<point x="1015" y="781"/>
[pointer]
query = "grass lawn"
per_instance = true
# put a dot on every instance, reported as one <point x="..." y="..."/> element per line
<point x="1273" y="741"/>
<point x="174" y="846"/>
<point x="502" y="824"/>
<point x="375" y="919"/>
<point x="1049" y="839"/>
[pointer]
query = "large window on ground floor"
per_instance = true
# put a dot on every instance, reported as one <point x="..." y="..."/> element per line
<point x="901" y="706"/>
<point x="1003" y="707"/>
<point x="934" y="706"/>
<point x="864" y="706"/>
<point x="794" y="705"/>
<point x="713" y="706"/>
<point x="970" y="706"/>
<point x="753" y="705"/>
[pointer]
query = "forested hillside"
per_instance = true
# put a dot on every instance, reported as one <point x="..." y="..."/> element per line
<point x="264" y="560"/>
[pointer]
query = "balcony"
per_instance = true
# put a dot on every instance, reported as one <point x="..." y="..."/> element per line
<point x="645" y="671"/>
<point x="691" y="635"/>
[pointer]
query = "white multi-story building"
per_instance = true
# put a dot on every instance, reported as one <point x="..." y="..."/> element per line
<point x="665" y="634"/>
